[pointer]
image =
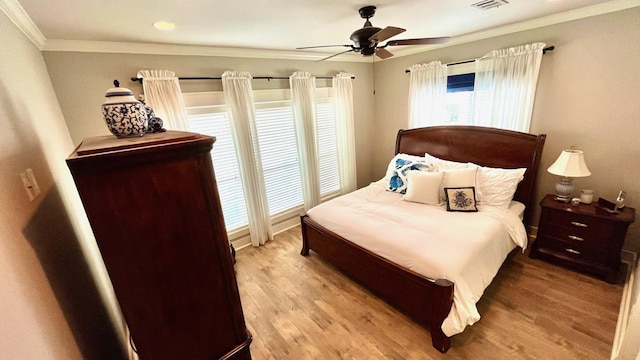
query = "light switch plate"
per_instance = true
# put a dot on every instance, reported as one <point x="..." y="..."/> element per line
<point x="30" y="184"/>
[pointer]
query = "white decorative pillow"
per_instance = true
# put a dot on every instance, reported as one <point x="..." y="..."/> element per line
<point x="398" y="168"/>
<point x="445" y="164"/>
<point x="458" y="178"/>
<point x="423" y="187"/>
<point x="496" y="186"/>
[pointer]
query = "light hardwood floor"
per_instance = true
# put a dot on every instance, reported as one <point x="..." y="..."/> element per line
<point x="303" y="308"/>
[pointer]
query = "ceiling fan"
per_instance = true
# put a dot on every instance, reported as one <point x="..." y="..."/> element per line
<point x="367" y="39"/>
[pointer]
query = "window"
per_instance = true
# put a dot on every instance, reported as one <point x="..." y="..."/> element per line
<point x="213" y="121"/>
<point x="206" y="114"/>
<point x="327" y="147"/>
<point x="458" y="106"/>
<point x="279" y="153"/>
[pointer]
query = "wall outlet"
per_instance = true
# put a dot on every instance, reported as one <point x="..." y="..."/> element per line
<point x="30" y="184"/>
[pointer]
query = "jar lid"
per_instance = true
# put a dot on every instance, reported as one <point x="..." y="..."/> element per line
<point x="118" y="91"/>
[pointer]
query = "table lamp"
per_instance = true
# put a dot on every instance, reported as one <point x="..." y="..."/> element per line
<point x="569" y="164"/>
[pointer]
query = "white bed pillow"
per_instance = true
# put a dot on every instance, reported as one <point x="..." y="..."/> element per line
<point x="423" y="187"/>
<point x="445" y="164"/>
<point x="398" y="167"/>
<point x="496" y="186"/>
<point x="460" y="177"/>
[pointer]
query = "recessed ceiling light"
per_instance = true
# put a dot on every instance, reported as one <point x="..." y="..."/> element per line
<point x="164" y="25"/>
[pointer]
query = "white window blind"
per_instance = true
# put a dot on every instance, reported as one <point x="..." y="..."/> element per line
<point x="327" y="147"/>
<point x="225" y="164"/>
<point x="278" y="149"/>
<point x="458" y="108"/>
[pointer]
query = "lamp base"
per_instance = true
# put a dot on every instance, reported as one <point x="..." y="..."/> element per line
<point x="564" y="189"/>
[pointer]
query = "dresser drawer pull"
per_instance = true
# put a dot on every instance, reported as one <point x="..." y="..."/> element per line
<point x="577" y="238"/>
<point x="573" y="251"/>
<point x="579" y="224"/>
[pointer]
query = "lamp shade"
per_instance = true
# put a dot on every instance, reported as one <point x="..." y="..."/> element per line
<point x="570" y="164"/>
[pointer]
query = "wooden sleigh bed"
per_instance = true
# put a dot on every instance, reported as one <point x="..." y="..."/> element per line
<point x="429" y="301"/>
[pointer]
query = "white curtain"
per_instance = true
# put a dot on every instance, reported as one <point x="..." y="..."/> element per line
<point x="162" y="93"/>
<point x="238" y="96"/>
<point x="427" y="88"/>
<point x="303" y="99"/>
<point x="505" y="87"/>
<point x="345" y="130"/>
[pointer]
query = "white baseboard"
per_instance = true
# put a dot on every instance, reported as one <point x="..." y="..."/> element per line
<point x="244" y="240"/>
<point x="630" y="258"/>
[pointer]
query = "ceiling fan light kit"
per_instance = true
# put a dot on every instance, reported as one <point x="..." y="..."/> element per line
<point x="367" y="39"/>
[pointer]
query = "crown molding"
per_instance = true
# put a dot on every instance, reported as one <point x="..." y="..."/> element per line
<point x="21" y="19"/>
<point x="195" y="50"/>
<point x="585" y="12"/>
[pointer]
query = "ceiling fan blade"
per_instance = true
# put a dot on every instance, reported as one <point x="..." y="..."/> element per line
<point x="383" y="53"/>
<point x="340" y="53"/>
<point x="320" y="46"/>
<point x="386" y="33"/>
<point x="422" y="41"/>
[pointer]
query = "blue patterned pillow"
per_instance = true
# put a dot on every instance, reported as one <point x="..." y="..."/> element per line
<point x="398" y="179"/>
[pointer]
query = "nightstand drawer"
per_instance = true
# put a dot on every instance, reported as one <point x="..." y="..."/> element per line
<point x="581" y="223"/>
<point x="584" y="236"/>
<point x="575" y="251"/>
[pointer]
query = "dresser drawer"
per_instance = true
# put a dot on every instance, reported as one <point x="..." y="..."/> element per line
<point x="574" y="251"/>
<point x="582" y="224"/>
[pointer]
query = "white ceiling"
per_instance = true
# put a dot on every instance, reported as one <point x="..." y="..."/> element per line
<point x="280" y="24"/>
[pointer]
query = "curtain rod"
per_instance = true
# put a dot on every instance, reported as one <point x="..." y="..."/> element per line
<point x="268" y="78"/>
<point x="544" y="51"/>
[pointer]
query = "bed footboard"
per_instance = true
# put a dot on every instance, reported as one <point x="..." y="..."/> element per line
<point x="426" y="301"/>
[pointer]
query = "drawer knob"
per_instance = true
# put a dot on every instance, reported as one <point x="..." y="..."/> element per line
<point x="577" y="238"/>
<point x="573" y="251"/>
<point x="579" y="224"/>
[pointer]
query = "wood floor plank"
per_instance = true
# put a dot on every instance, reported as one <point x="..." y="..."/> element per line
<point x="303" y="308"/>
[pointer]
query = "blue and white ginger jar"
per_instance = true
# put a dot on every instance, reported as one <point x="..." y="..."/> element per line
<point x="124" y="115"/>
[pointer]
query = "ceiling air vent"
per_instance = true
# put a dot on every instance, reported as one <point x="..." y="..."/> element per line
<point x="488" y="4"/>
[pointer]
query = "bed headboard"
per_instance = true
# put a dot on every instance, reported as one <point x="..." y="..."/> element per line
<point x="483" y="146"/>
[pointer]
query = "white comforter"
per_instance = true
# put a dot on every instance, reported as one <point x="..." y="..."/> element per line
<point x="466" y="248"/>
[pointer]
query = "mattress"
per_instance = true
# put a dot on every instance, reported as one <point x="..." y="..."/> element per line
<point x="465" y="248"/>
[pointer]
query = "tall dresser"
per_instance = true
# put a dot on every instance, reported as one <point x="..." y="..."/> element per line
<point x="153" y="205"/>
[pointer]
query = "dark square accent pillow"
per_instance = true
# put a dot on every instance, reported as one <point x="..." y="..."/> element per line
<point x="461" y="199"/>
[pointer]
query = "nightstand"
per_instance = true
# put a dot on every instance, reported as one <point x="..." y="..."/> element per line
<point x="582" y="236"/>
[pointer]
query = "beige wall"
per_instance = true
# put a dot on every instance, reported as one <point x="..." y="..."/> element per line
<point x="81" y="79"/>
<point x="588" y="96"/>
<point x="50" y="307"/>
